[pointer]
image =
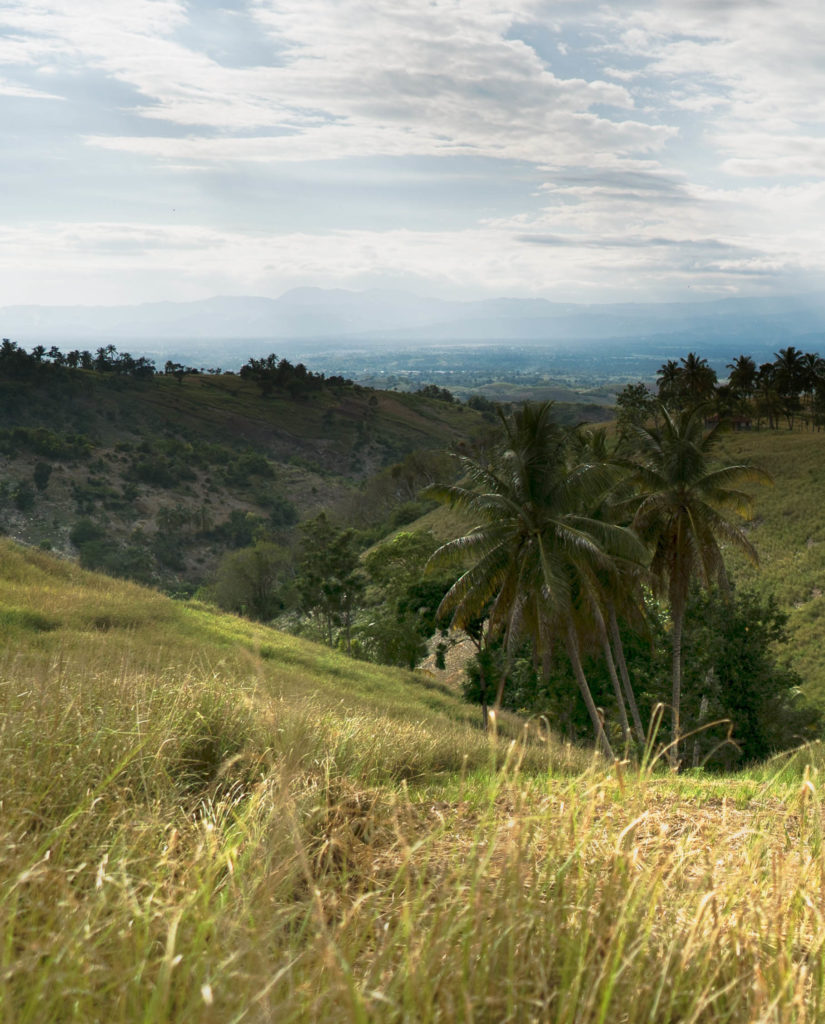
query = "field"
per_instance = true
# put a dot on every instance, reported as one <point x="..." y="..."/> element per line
<point x="205" y="820"/>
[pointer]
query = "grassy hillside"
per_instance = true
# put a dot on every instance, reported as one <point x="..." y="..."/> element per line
<point x="789" y="533"/>
<point x="204" y="820"/>
<point x="173" y="473"/>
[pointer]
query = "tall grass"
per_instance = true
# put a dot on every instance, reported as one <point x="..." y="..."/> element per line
<point x="788" y="533"/>
<point x="201" y="820"/>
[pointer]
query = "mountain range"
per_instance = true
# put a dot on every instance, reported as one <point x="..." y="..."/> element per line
<point x="307" y="320"/>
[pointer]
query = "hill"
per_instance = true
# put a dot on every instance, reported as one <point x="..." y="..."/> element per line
<point x="205" y="820"/>
<point x="789" y="533"/>
<point x="166" y="472"/>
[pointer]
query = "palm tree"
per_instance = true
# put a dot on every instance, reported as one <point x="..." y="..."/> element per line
<point x="813" y="369"/>
<point x="768" y="399"/>
<point x="617" y="588"/>
<point x="742" y="378"/>
<point x="789" y="379"/>
<point x="536" y="554"/>
<point x="698" y="378"/>
<point x="668" y="387"/>
<point x="682" y="509"/>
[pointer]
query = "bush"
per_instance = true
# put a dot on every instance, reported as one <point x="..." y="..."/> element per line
<point x="84" y="531"/>
<point x="247" y="465"/>
<point x="24" y="496"/>
<point x="252" y="581"/>
<point x="42" y="472"/>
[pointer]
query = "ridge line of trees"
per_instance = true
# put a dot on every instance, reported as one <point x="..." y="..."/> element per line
<point x="787" y="390"/>
<point x="269" y="372"/>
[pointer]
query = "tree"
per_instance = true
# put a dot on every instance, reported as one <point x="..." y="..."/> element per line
<point x="742" y="380"/>
<point x="668" y="387"/>
<point x="789" y="380"/>
<point x="694" y="381"/>
<point x="535" y="554"/>
<point x="251" y="581"/>
<point x="733" y="673"/>
<point x="768" y="399"/>
<point x="697" y="379"/>
<point x="682" y="510"/>
<point x="813" y="371"/>
<point x="329" y="583"/>
<point x="401" y="606"/>
<point x="635" y="405"/>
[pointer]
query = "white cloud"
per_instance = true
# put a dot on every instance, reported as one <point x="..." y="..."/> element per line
<point x="755" y="66"/>
<point x="359" y="77"/>
<point x="678" y="141"/>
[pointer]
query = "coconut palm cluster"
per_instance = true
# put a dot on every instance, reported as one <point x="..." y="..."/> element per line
<point x="786" y="391"/>
<point x="570" y="531"/>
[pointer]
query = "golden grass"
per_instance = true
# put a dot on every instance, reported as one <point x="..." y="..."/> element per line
<point x="203" y="820"/>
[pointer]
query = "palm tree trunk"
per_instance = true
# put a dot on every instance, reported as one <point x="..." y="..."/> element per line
<point x="678" y="616"/>
<point x="595" y="717"/>
<point x="628" y="688"/>
<point x="614" y="678"/>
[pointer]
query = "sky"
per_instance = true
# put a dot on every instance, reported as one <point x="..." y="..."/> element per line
<point x="584" y="152"/>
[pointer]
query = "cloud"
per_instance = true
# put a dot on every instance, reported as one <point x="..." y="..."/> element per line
<point x="16" y="89"/>
<point x="755" y="67"/>
<point x="387" y="77"/>
<point x="620" y="147"/>
<point x="192" y="262"/>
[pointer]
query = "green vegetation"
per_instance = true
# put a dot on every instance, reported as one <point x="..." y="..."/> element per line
<point x="788" y="534"/>
<point x="536" y="552"/>
<point x="741" y="701"/>
<point x="682" y="503"/>
<point x="776" y="410"/>
<point x="569" y="540"/>
<point x="206" y="820"/>
<point x="176" y="469"/>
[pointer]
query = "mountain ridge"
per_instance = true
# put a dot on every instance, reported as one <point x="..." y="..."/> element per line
<point x="306" y="315"/>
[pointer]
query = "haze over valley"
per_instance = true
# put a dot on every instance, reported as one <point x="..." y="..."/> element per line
<point x="378" y="336"/>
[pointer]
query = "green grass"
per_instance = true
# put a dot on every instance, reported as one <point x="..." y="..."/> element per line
<point x="789" y="533"/>
<point x="204" y="820"/>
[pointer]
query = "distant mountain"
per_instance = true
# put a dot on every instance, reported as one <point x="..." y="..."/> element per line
<point x="313" y="318"/>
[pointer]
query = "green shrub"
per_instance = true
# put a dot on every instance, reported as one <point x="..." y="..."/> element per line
<point x="84" y="531"/>
<point x="24" y="496"/>
<point x="42" y="473"/>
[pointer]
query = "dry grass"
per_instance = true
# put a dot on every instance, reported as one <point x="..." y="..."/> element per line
<point x="205" y="821"/>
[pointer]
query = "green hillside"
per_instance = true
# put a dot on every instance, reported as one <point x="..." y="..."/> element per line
<point x="205" y="820"/>
<point x="172" y="471"/>
<point x="789" y="533"/>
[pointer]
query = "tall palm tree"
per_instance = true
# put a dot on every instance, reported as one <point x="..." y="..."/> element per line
<point x="618" y="588"/>
<point x="789" y="379"/>
<point x="668" y="387"/>
<point x="698" y="378"/>
<point x="813" y="369"/>
<point x="742" y="378"/>
<point x="768" y="400"/>
<point x="683" y="509"/>
<point x="536" y="554"/>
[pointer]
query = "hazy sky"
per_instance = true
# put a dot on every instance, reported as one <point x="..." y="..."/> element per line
<point x="175" y="149"/>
